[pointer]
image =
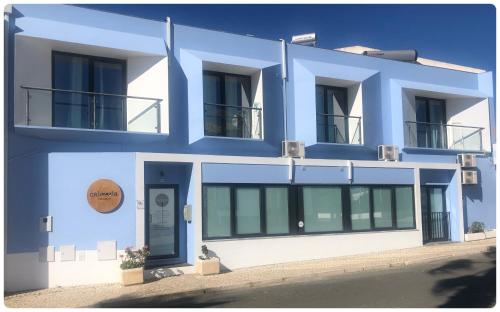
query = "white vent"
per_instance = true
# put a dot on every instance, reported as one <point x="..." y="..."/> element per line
<point x="293" y="149"/>
<point x="467" y="160"/>
<point x="388" y="152"/>
<point x="469" y="177"/>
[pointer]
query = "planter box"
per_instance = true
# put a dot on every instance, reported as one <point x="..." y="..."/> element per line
<point x="475" y="236"/>
<point x="132" y="276"/>
<point x="208" y="267"/>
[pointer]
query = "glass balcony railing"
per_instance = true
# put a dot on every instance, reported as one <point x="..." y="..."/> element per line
<point x="46" y="107"/>
<point x="338" y="129"/>
<point x="443" y="136"/>
<point x="232" y="121"/>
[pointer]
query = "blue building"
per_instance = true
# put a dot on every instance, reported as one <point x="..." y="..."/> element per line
<point x="182" y="130"/>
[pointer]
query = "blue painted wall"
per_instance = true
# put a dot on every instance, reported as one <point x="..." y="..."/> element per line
<point x="75" y="221"/>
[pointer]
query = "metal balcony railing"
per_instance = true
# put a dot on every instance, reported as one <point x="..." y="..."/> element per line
<point x="338" y="129"/>
<point x="443" y="136"/>
<point x="436" y="226"/>
<point x="91" y="110"/>
<point x="232" y="121"/>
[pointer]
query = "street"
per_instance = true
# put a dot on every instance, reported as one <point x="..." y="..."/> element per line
<point x="467" y="281"/>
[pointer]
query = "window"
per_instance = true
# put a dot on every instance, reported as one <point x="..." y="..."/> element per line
<point x="277" y="220"/>
<point x="382" y="207"/>
<point x="404" y="207"/>
<point x="247" y="210"/>
<point x="332" y="114"/>
<point x="322" y="209"/>
<point x="228" y="107"/>
<point x="360" y="208"/>
<point x="431" y="121"/>
<point x="80" y="73"/>
<point x="216" y="215"/>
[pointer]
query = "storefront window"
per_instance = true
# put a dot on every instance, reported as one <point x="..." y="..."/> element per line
<point x="322" y="209"/>
<point x="360" y="208"/>
<point x="277" y="210"/>
<point x="404" y="207"/>
<point x="217" y="215"/>
<point x="382" y="207"/>
<point x="247" y="211"/>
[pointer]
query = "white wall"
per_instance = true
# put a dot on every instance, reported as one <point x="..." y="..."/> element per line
<point x="237" y="253"/>
<point x="147" y="76"/>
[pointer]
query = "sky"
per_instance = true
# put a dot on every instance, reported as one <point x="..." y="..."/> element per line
<point x="461" y="34"/>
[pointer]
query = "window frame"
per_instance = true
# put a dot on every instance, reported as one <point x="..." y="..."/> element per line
<point x="91" y="60"/>
<point x="222" y="90"/>
<point x="296" y="209"/>
<point x="325" y="116"/>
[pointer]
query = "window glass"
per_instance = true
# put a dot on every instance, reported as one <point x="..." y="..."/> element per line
<point x="360" y="208"/>
<point x="404" y="207"/>
<point x="277" y="210"/>
<point x="322" y="209"/>
<point x="247" y="210"/>
<point x="216" y="213"/>
<point x="382" y="209"/>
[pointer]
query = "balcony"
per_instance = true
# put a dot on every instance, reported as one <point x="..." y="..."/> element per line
<point x="338" y="129"/>
<point x="232" y="121"/>
<point x="443" y="136"/>
<point x="79" y="110"/>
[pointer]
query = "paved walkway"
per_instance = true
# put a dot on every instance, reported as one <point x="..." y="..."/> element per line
<point x="177" y="286"/>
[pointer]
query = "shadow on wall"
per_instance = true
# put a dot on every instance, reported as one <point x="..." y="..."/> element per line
<point x="476" y="290"/>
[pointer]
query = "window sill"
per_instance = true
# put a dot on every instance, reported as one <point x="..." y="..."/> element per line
<point x="232" y="138"/>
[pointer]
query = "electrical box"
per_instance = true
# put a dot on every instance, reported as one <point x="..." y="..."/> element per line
<point x="106" y="250"/>
<point x="188" y="210"/>
<point x="46" y="224"/>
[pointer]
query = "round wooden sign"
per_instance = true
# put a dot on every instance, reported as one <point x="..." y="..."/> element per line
<point x="104" y="195"/>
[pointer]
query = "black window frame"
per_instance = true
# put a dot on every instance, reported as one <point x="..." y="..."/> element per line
<point x="222" y="90"/>
<point x="325" y="117"/>
<point x="91" y="60"/>
<point x="296" y="209"/>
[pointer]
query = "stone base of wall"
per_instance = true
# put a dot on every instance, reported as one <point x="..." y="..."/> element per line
<point x="478" y="236"/>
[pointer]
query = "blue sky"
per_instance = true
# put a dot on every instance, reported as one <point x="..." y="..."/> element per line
<point x="461" y="34"/>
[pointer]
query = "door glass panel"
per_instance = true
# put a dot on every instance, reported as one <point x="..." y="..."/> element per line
<point x="162" y="230"/>
<point x="382" y="207"/>
<point x="360" y="208"/>
<point x="71" y="72"/>
<point x="436" y="199"/>
<point x="404" y="207"/>
<point x="277" y="210"/>
<point x="247" y="210"/>
<point x="109" y="110"/>
<point x="216" y="212"/>
<point x="422" y="126"/>
<point x="322" y="209"/>
<point x="437" y="118"/>
<point x="214" y="113"/>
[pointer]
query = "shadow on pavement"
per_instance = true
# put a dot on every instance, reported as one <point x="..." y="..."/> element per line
<point x="162" y="301"/>
<point x="467" y="291"/>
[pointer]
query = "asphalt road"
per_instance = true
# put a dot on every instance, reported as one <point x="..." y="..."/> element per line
<point x="460" y="282"/>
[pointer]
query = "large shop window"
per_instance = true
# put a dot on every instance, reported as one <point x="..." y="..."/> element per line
<point x="266" y="210"/>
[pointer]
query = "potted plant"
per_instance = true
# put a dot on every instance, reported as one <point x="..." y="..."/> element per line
<point x="476" y="231"/>
<point x="206" y="265"/>
<point x="133" y="265"/>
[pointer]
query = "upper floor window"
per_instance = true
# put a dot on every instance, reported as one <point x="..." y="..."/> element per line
<point x="431" y="122"/>
<point x="84" y="88"/>
<point x="228" y="107"/>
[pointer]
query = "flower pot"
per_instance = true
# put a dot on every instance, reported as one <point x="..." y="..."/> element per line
<point x="132" y="276"/>
<point x="208" y="266"/>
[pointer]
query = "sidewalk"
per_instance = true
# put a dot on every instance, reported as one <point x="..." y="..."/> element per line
<point x="176" y="286"/>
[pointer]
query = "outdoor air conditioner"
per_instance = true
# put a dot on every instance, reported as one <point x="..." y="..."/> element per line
<point x="467" y="160"/>
<point x="293" y="149"/>
<point x="469" y="177"/>
<point x="388" y="152"/>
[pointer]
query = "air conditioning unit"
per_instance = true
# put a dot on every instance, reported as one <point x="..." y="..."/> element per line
<point x="388" y="152"/>
<point x="469" y="177"/>
<point x="293" y="149"/>
<point x="467" y="160"/>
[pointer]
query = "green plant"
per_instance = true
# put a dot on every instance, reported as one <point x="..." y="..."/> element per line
<point x="134" y="258"/>
<point x="476" y="227"/>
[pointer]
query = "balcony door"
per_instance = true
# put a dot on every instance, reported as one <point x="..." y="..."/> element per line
<point x="332" y="114"/>
<point x="227" y="105"/>
<point x="431" y="122"/>
<point x="85" y="92"/>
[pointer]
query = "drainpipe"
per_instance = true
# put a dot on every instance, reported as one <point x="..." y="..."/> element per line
<point x="284" y="78"/>
<point x="349" y="171"/>
<point x="168" y="37"/>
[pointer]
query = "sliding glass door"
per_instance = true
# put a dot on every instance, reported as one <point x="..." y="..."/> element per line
<point x="85" y="92"/>
<point x="431" y="122"/>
